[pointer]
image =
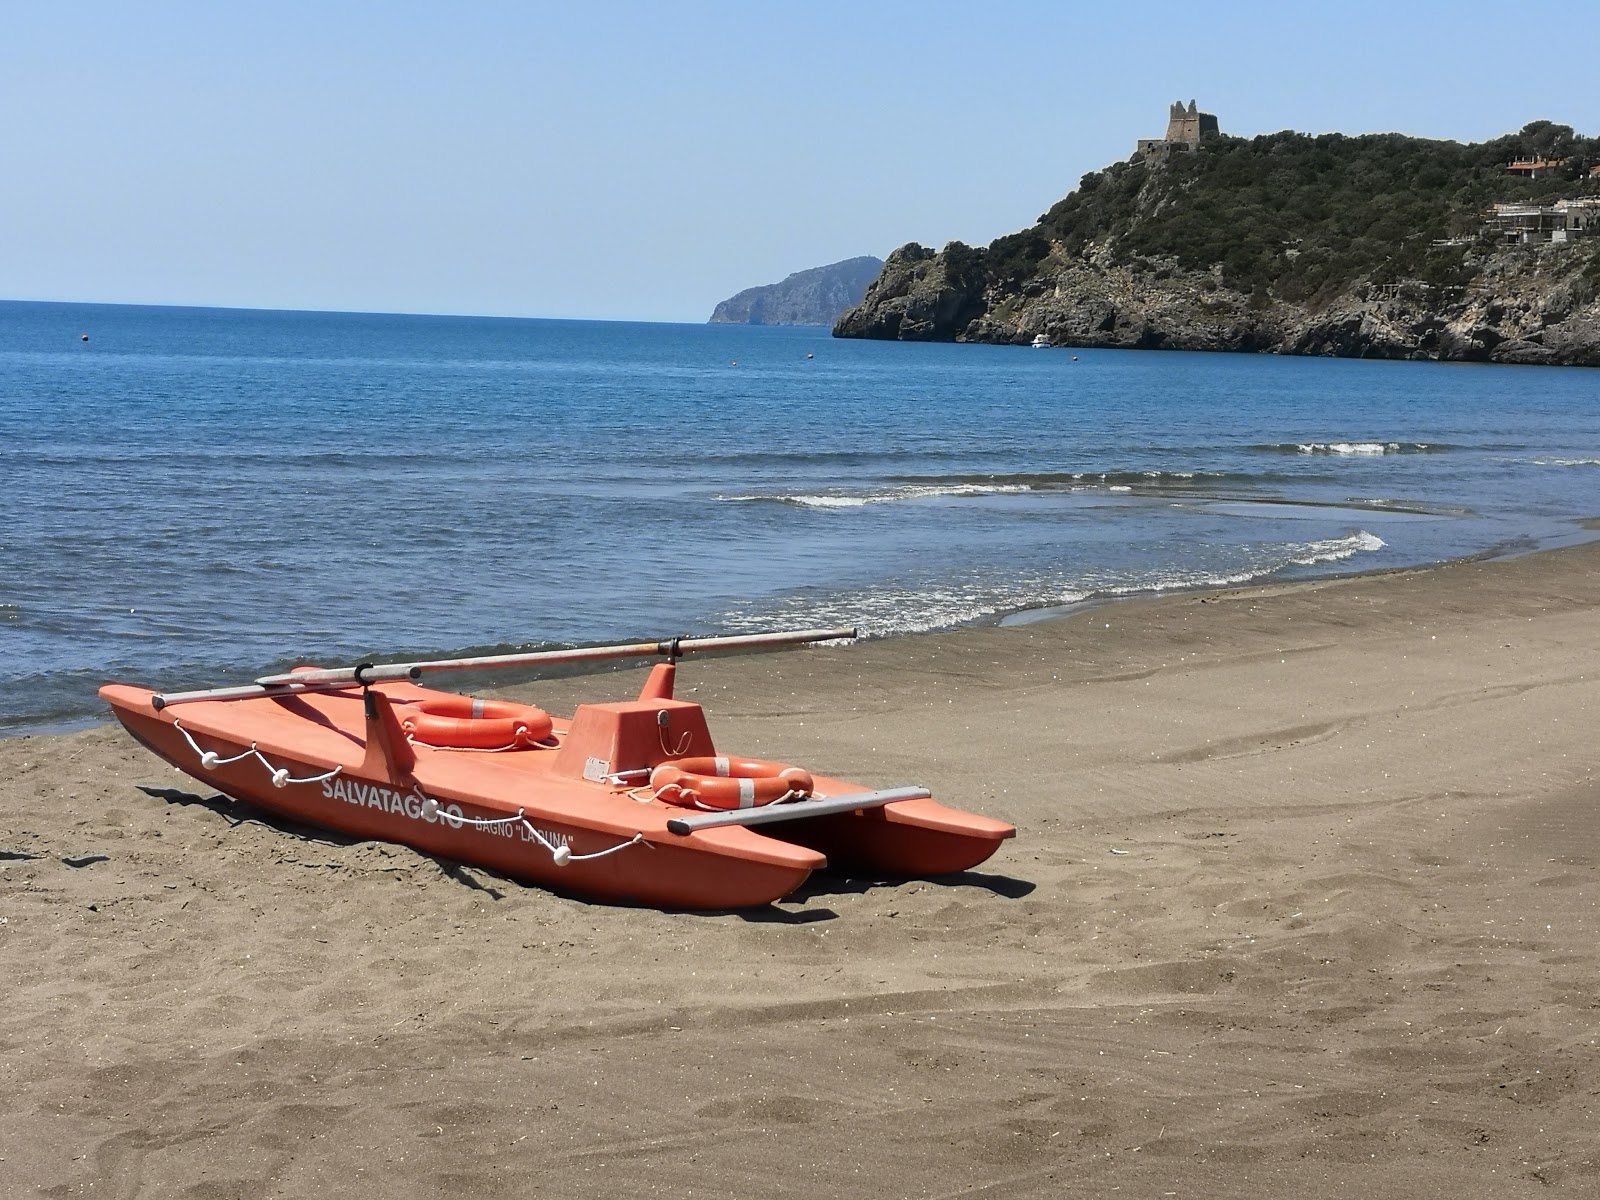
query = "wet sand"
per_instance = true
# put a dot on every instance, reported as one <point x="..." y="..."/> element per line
<point x="1303" y="901"/>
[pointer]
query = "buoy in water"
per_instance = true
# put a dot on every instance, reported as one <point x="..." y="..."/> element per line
<point x="83" y="337"/>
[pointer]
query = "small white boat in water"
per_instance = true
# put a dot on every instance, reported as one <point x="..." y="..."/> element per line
<point x="1041" y="342"/>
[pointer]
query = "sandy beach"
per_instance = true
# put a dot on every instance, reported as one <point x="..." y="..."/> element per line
<point x="1303" y="902"/>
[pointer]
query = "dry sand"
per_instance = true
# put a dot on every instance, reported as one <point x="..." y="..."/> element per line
<point x="1303" y="901"/>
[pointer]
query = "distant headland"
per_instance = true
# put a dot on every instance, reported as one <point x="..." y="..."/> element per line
<point x="1370" y="246"/>
<point x="814" y="297"/>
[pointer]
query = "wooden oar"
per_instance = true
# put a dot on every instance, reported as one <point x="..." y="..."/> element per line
<point x="336" y="677"/>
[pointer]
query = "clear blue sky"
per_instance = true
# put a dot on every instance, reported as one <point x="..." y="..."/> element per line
<point x="643" y="161"/>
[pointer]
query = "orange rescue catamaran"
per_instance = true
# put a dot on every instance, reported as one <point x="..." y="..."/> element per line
<point x="626" y="801"/>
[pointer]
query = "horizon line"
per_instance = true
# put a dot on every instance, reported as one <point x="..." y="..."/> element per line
<point x="345" y="312"/>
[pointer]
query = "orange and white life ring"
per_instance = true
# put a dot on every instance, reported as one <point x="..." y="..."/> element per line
<point x="468" y="723"/>
<point x="724" y="783"/>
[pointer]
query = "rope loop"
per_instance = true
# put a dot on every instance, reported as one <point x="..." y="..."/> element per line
<point x="210" y="759"/>
<point x="549" y="744"/>
<point x="560" y="853"/>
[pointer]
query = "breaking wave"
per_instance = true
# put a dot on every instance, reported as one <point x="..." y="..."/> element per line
<point x="845" y="499"/>
<point x="928" y="487"/>
<point x="1336" y="549"/>
<point x="923" y="604"/>
<point x="1045" y="481"/>
<point x="1352" y="448"/>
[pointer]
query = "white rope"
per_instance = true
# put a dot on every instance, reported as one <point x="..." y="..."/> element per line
<point x="564" y="855"/>
<point x="560" y="853"/>
<point x="683" y="742"/>
<point x="548" y="744"/>
<point x="416" y="741"/>
<point x="432" y="808"/>
<point x="648" y="796"/>
<point x="791" y="794"/>
<point x="210" y="759"/>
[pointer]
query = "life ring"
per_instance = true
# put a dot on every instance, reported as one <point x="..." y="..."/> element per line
<point x="724" y="783"/>
<point x="468" y="723"/>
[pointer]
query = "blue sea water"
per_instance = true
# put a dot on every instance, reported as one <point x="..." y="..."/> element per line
<point x="194" y="496"/>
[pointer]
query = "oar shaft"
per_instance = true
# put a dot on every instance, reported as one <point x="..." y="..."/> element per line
<point x="247" y="691"/>
<point x="667" y="647"/>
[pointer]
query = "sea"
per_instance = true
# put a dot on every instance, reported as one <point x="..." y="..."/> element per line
<point x="197" y="496"/>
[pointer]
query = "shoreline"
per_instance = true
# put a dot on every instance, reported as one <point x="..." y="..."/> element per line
<point x="1014" y="618"/>
<point x="1305" y="897"/>
<point x="1030" y="616"/>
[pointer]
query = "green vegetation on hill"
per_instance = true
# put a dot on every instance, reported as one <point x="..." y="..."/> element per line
<point x="1291" y="216"/>
<point x="1373" y="246"/>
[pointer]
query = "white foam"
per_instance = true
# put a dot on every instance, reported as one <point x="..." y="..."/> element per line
<point x="1350" y="447"/>
<point x="888" y="496"/>
<point x="1566" y="462"/>
<point x="827" y="501"/>
<point x="1336" y="549"/>
<point x="922" y="605"/>
<point x="889" y="610"/>
<point x="1180" y="582"/>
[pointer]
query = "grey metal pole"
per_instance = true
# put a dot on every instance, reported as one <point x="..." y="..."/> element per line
<point x="798" y="810"/>
<point x="669" y="647"/>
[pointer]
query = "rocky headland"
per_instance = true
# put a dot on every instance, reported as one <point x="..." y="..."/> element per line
<point x="1375" y="247"/>
<point x="813" y="297"/>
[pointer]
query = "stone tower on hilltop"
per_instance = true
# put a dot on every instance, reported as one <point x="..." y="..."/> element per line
<point x="1186" y="129"/>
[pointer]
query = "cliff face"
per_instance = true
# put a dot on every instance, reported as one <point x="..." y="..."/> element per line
<point x="814" y="297"/>
<point x="1524" y="305"/>
<point x="1374" y="246"/>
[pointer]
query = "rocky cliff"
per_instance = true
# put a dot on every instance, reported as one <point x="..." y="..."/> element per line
<point x="1525" y="305"/>
<point x="1249" y="247"/>
<point x="814" y="297"/>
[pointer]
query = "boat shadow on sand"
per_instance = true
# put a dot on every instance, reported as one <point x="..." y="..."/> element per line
<point x="831" y="883"/>
<point x="818" y="888"/>
<point x="242" y="812"/>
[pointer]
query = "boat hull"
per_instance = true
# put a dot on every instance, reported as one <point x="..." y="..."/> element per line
<point x="662" y="871"/>
<point x="543" y="817"/>
<point x="913" y="838"/>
